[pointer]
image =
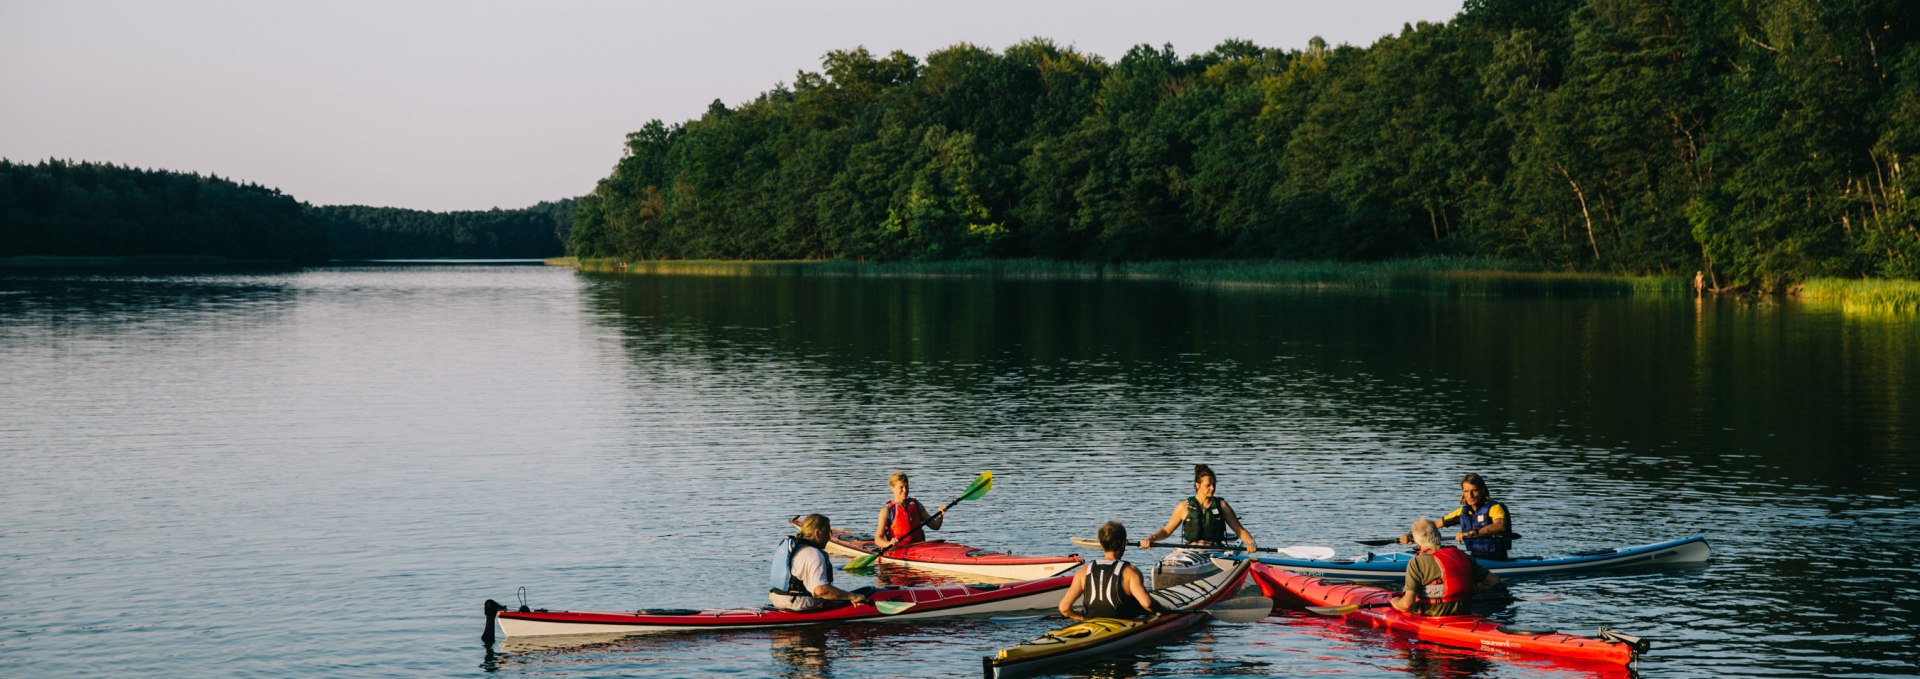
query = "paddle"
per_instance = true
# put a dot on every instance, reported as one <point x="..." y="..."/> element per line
<point x="892" y="607"/>
<point x="1349" y="608"/>
<point x="1243" y="609"/>
<point x="1296" y="551"/>
<point x="1395" y="541"/>
<point x="979" y="487"/>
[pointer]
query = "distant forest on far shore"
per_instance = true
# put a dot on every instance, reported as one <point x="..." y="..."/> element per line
<point x="1762" y="142"/>
<point x="79" y="209"/>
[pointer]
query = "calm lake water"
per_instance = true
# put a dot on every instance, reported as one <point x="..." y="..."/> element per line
<point x="325" y="472"/>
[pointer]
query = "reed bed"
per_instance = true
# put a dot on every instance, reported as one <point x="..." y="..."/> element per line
<point x="1863" y="296"/>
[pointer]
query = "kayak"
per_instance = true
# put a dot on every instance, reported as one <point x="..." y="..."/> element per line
<point x="1101" y="636"/>
<point x="1461" y="631"/>
<point x="928" y="602"/>
<point x="951" y="557"/>
<point x="1392" y="567"/>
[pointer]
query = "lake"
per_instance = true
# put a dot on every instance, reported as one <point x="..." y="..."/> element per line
<point x="326" y="471"/>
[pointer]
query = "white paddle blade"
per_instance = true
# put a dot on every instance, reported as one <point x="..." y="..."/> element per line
<point x="1315" y="552"/>
<point x="1086" y="542"/>
<point x="1243" y="609"/>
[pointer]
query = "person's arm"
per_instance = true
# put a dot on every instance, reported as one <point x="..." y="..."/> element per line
<point x="1404" y="602"/>
<point x="1073" y="594"/>
<point x="932" y="522"/>
<point x="1137" y="587"/>
<point x="880" y="529"/>
<point x="1443" y="522"/>
<point x="1179" y="515"/>
<point x="1498" y="517"/>
<point x="828" y="591"/>
<point x="1233" y="521"/>
<point x="813" y="572"/>
<point x="1485" y="581"/>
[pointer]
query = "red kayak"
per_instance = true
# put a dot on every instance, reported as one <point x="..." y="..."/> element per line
<point x="954" y="558"/>
<point x="1463" y="631"/>
<point x="928" y="602"/>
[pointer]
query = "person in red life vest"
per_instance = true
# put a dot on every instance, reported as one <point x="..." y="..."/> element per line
<point x="1441" y="580"/>
<point x="1486" y="529"/>
<point x="904" y="519"/>
<point x="1110" y="587"/>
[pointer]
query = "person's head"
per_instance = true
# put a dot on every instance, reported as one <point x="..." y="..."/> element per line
<point x="1203" y="480"/>
<point x="1474" y="490"/>
<point x="1113" y="537"/>
<point x="1425" y="535"/>
<point x="815" y="527"/>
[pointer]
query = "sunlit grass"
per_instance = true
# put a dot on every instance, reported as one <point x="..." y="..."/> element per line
<point x="1855" y="296"/>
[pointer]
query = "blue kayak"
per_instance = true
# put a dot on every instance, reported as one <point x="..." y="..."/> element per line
<point x="1393" y="566"/>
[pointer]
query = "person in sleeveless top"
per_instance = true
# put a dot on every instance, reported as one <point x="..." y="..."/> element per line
<point x="1441" y="580"/>
<point x="802" y="575"/>
<point x="1108" y="587"/>
<point x="904" y="519"/>
<point x="1203" y="519"/>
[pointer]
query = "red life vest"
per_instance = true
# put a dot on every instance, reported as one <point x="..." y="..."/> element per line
<point x="1456" y="575"/>
<point x="900" y="520"/>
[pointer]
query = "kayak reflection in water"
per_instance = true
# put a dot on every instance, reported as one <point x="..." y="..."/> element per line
<point x="802" y="577"/>
<point x="1441" y="580"/>
<point x="1486" y="529"/>
<point x="903" y="517"/>
<point x="1110" y="587"/>
<point x="1203" y="519"/>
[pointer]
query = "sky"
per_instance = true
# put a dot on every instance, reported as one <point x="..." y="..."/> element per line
<point x="476" y="104"/>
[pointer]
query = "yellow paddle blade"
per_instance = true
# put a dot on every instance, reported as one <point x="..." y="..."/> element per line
<point x="892" y="607"/>
<point x="861" y="563"/>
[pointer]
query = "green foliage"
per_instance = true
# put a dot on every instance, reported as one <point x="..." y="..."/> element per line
<point x="67" y="209"/>
<point x="361" y="232"/>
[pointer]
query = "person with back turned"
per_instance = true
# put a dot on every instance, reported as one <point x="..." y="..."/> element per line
<point x="1441" y="580"/>
<point x="1111" y="587"/>
<point x="802" y="577"/>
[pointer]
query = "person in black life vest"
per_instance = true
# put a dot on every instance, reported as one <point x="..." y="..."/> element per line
<point x="802" y="577"/>
<point x="1441" y="580"/>
<point x="1110" y="587"/>
<point x="904" y="519"/>
<point x="1486" y="529"/>
<point x="1203" y="519"/>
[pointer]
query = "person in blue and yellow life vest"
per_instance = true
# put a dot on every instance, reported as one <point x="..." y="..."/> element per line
<point x="1204" y="518"/>
<point x="802" y="577"/>
<point x="1486" y="528"/>
<point x="1108" y="587"/>
<point x="904" y="519"/>
<point x="1441" y="580"/>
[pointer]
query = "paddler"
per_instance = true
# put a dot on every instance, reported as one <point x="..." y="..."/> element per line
<point x="903" y="518"/>
<point x="1111" y="587"/>
<point x="1204" y="518"/>
<point x="1441" y="580"/>
<point x="1485" y="528"/>
<point x="802" y="577"/>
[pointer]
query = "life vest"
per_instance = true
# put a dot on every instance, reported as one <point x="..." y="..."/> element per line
<point x="1106" y="593"/>
<point x="900" y="521"/>
<point x="1456" y="576"/>
<point x="782" y="580"/>
<point x="1495" y="546"/>
<point x="1207" y="524"/>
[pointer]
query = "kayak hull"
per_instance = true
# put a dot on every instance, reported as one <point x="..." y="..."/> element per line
<point x="1102" y="636"/>
<point x="1459" y="631"/>
<point x="929" y="602"/>
<point x="940" y="555"/>
<point x="1392" y="567"/>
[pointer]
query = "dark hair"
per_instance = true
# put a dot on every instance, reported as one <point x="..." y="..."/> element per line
<point x="1113" y="536"/>
<point x="1203" y="471"/>
<point x="1476" y="480"/>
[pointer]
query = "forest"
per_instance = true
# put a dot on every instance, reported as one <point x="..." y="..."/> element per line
<point x="59" y="208"/>
<point x="1762" y="142"/>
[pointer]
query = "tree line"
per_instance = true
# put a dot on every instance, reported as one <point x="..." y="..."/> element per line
<point x="1761" y="142"/>
<point x="62" y="208"/>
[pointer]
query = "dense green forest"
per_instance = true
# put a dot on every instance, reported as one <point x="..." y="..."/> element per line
<point x="59" y="208"/>
<point x="1761" y="141"/>
<point x="361" y="232"/>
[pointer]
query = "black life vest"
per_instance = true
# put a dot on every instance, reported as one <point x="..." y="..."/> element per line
<point x="1106" y="593"/>
<point x="1207" y="524"/>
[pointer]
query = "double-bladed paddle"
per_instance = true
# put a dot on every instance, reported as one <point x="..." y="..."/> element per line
<point x="1395" y="541"/>
<point x="979" y="487"/>
<point x="1349" y="608"/>
<point x="1296" y="551"/>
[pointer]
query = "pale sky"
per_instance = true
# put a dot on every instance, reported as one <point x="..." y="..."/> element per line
<point x="469" y="105"/>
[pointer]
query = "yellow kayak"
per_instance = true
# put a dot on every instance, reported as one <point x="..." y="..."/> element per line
<point x="1101" y="636"/>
